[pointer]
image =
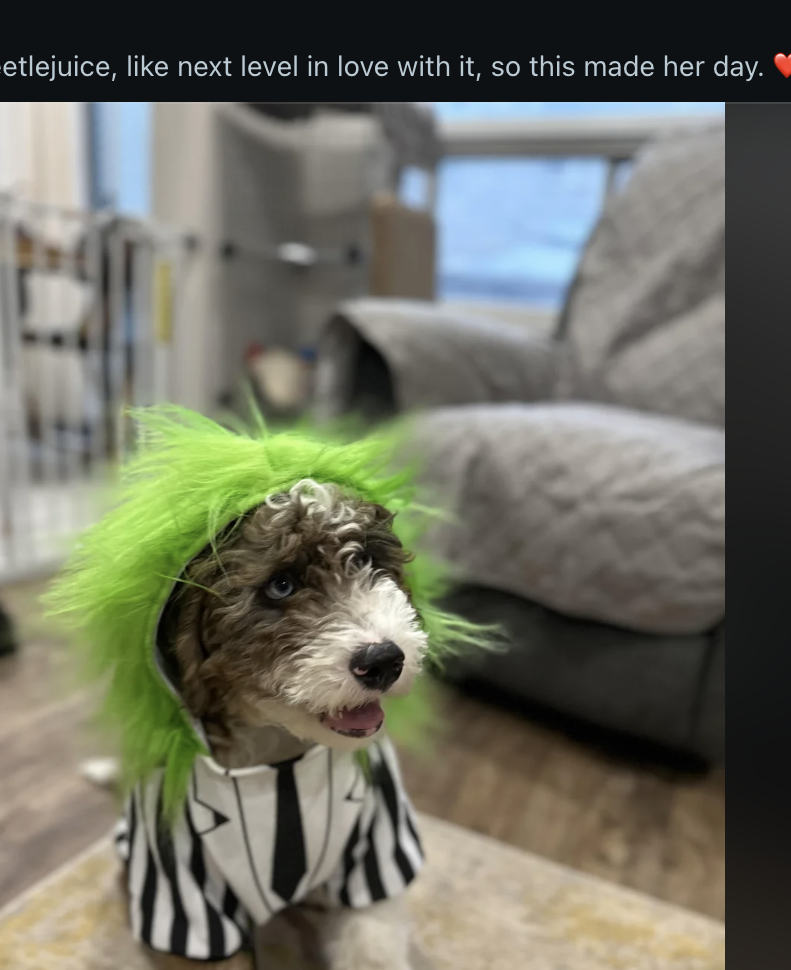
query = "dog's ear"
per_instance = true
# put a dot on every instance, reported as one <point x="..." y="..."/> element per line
<point x="167" y="630"/>
<point x="384" y="546"/>
<point x="182" y="645"/>
<point x="382" y="516"/>
<point x="380" y="528"/>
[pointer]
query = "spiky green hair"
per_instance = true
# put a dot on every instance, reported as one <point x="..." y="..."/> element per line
<point x="189" y="479"/>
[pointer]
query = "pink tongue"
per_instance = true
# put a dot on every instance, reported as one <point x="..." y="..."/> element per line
<point x="357" y="718"/>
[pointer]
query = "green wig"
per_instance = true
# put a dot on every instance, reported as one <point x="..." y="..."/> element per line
<point x="189" y="479"/>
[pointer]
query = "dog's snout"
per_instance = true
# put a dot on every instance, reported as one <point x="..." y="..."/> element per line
<point x="378" y="665"/>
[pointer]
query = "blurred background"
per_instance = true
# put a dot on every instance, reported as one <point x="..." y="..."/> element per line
<point x="543" y="281"/>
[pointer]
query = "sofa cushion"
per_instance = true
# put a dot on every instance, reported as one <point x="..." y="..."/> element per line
<point x="667" y="689"/>
<point x="644" y="325"/>
<point x="594" y="511"/>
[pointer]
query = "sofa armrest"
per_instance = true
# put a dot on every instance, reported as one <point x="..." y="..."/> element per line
<point x="422" y="355"/>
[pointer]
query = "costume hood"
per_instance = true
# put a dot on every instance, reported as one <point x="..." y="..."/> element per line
<point x="190" y="479"/>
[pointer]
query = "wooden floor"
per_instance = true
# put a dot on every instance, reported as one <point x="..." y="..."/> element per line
<point x="648" y="825"/>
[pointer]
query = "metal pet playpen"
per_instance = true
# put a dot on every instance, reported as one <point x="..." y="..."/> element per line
<point x="88" y="307"/>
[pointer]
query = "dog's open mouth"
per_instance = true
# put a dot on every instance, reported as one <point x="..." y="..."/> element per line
<point x="356" y="722"/>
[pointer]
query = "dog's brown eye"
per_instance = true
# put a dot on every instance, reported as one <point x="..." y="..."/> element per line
<point x="360" y="560"/>
<point x="279" y="587"/>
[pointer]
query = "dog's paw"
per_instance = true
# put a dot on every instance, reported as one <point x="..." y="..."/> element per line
<point x="104" y="772"/>
<point x="372" y="938"/>
<point x="371" y="954"/>
<point x="359" y="953"/>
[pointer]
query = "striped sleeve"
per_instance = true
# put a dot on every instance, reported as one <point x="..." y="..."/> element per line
<point x="383" y="854"/>
<point x="121" y="836"/>
<point x="179" y="903"/>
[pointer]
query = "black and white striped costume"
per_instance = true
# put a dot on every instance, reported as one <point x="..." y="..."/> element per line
<point x="251" y="841"/>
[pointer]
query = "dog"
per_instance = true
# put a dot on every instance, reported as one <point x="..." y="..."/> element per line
<point x="281" y="639"/>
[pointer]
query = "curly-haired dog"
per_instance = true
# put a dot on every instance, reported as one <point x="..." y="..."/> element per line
<point x="281" y="639"/>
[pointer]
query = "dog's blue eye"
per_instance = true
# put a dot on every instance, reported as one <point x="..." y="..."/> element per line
<point x="279" y="587"/>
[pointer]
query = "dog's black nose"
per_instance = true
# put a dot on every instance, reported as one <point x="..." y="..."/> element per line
<point x="378" y="666"/>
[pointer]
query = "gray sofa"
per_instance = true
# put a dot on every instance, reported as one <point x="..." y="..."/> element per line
<point x="586" y="465"/>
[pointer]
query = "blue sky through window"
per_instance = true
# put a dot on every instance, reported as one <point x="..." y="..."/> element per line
<point x="512" y="229"/>
<point x="122" y="155"/>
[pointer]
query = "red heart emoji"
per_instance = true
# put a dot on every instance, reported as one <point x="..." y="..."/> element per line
<point x="783" y="64"/>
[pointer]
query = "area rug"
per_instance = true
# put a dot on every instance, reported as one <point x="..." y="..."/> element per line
<point x="479" y="905"/>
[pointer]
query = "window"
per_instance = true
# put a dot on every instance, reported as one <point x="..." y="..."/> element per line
<point x="512" y="229"/>
<point x="120" y="135"/>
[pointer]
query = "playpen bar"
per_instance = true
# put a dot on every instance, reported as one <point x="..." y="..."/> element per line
<point x="180" y="264"/>
<point x="94" y="353"/>
<point x="6" y="479"/>
<point x="140" y="343"/>
<point x="72" y="436"/>
<point x="17" y="443"/>
<point x="116" y="351"/>
<point x="47" y="432"/>
<point x="6" y="430"/>
<point x="149" y="343"/>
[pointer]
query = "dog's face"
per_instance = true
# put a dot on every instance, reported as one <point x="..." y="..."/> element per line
<point x="300" y="618"/>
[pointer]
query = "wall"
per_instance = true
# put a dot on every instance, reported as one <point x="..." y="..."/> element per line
<point x="184" y="195"/>
<point x="43" y="151"/>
